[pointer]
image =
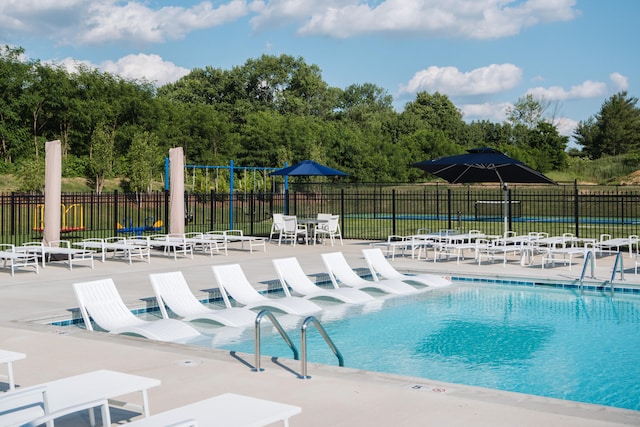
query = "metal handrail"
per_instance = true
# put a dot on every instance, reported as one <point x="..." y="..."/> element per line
<point x="280" y="329"/>
<point x="617" y="264"/>
<point x="303" y="344"/>
<point x="588" y="258"/>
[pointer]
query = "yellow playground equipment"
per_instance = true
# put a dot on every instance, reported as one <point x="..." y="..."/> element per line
<point x="71" y="218"/>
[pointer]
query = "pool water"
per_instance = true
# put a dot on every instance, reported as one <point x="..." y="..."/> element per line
<point x="548" y="342"/>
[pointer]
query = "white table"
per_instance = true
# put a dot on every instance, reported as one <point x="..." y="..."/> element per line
<point x="96" y="385"/>
<point x="228" y="410"/>
<point x="310" y="224"/>
<point x="9" y="357"/>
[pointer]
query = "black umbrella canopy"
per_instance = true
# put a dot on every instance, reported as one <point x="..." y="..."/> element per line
<point x="308" y="168"/>
<point x="482" y="165"/>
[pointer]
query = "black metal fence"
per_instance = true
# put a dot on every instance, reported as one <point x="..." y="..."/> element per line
<point x="366" y="212"/>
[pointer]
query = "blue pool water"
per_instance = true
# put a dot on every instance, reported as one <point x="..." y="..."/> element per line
<point x="534" y="340"/>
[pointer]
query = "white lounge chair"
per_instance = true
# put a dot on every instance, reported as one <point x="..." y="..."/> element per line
<point x="9" y="357"/>
<point x="232" y="281"/>
<point x="99" y="300"/>
<point x="292" y="276"/>
<point x="171" y="290"/>
<point x="379" y="265"/>
<point x="340" y="271"/>
<point x="229" y="410"/>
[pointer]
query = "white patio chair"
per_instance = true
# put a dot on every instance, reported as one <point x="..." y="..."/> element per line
<point x="331" y="229"/>
<point x="277" y="226"/>
<point x="292" y="230"/>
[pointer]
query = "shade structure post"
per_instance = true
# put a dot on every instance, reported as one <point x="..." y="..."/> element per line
<point x="52" y="192"/>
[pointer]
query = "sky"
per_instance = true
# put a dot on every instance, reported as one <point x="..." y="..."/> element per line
<point x="483" y="54"/>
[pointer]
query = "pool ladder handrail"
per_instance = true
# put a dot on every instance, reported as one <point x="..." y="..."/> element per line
<point x="283" y="334"/>
<point x="588" y="260"/>
<point x="617" y="265"/>
<point x="303" y="344"/>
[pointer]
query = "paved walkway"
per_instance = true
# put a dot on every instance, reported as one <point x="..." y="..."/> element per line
<point x="332" y="397"/>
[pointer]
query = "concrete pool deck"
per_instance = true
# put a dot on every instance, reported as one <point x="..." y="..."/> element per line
<point x="332" y="397"/>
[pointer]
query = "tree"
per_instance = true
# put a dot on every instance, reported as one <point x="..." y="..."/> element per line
<point x="527" y="111"/>
<point x="143" y="158"/>
<point x="615" y="129"/>
<point x="101" y="156"/>
<point x="433" y="112"/>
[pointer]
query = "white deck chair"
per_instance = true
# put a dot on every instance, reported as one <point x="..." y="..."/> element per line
<point x="101" y="301"/>
<point x="232" y="281"/>
<point x="292" y="276"/>
<point x="340" y="271"/>
<point x="379" y="265"/>
<point x="331" y="229"/>
<point x="291" y="230"/>
<point x="172" y="290"/>
<point x="277" y="226"/>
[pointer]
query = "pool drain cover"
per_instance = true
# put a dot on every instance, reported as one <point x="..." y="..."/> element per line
<point x="189" y="362"/>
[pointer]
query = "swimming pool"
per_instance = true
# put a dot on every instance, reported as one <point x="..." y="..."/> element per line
<point x="535" y="340"/>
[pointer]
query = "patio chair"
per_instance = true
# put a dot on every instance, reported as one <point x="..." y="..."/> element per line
<point x="330" y="229"/>
<point x="171" y="290"/>
<point x="292" y="230"/>
<point x="292" y="276"/>
<point x="99" y="300"/>
<point x="277" y="226"/>
<point x="18" y="258"/>
<point x="380" y="266"/>
<point x="232" y="281"/>
<point x="340" y="272"/>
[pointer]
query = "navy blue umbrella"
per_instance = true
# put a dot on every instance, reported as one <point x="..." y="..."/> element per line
<point x="308" y="168"/>
<point x="484" y="165"/>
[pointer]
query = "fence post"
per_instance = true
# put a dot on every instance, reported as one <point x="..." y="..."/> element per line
<point x="576" y="217"/>
<point x="393" y="211"/>
<point x="342" y="213"/>
<point x="449" y="202"/>
<point x="212" y="209"/>
<point x="115" y="212"/>
<point x="13" y="213"/>
<point x="252" y="211"/>
<point x="166" y="211"/>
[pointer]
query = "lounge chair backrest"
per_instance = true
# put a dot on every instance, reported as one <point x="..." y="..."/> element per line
<point x="171" y="289"/>
<point x="339" y="270"/>
<point x="378" y="264"/>
<point x="100" y="300"/>
<point x="232" y="281"/>
<point x="291" y="275"/>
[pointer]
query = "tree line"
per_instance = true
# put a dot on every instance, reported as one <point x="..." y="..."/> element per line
<point x="268" y="111"/>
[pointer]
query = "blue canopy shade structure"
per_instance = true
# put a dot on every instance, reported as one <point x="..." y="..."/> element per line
<point x="308" y="168"/>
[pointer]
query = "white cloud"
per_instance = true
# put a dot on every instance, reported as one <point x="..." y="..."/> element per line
<point x="475" y="19"/>
<point x="151" y="68"/>
<point x="491" y="79"/>
<point x="487" y="111"/>
<point x="565" y="126"/>
<point x="103" y="21"/>
<point x="587" y="89"/>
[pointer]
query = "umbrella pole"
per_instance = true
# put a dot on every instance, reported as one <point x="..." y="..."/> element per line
<point x="506" y="208"/>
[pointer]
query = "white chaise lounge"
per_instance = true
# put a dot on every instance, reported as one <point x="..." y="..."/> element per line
<point x="380" y="266"/>
<point x="341" y="273"/>
<point x="228" y="410"/>
<point x="171" y="290"/>
<point x="232" y="281"/>
<point x="292" y="276"/>
<point x="99" y="300"/>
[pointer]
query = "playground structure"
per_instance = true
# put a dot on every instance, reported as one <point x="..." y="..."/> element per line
<point x="150" y="225"/>
<point x="71" y="218"/>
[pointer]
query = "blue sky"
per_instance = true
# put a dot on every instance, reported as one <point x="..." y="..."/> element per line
<point x="483" y="54"/>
